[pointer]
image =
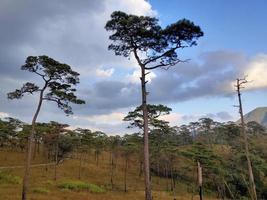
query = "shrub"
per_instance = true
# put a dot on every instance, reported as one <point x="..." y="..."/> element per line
<point x="5" y="177"/>
<point x="79" y="185"/>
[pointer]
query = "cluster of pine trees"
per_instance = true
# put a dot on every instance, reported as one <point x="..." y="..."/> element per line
<point x="174" y="151"/>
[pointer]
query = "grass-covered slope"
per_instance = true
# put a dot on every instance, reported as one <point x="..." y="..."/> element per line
<point x="94" y="183"/>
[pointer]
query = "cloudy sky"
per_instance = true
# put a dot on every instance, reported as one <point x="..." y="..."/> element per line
<point x="234" y="45"/>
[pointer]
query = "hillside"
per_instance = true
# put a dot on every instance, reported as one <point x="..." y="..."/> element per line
<point x="258" y="115"/>
<point x="83" y="164"/>
<point x="68" y="185"/>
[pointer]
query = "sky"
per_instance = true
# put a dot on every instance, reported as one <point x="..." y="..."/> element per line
<point x="233" y="46"/>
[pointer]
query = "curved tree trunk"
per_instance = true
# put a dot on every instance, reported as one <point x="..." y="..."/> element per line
<point x="29" y="149"/>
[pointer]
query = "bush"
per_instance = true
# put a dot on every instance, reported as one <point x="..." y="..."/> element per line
<point x="79" y="185"/>
<point x="5" y="177"/>
<point x="40" y="190"/>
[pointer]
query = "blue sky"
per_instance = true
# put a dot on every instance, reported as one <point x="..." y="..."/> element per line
<point x="234" y="45"/>
<point x="238" y="26"/>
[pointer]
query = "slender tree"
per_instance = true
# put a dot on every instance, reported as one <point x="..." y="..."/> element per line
<point x="153" y="47"/>
<point x="84" y="146"/>
<point x="199" y="175"/>
<point x="56" y="131"/>
<point x="58" y="81"/>
<point x="129" y="147"/>
<point x="113" y="144"/>
<point x="239" y="85"/>
<point x="100" y="140"/>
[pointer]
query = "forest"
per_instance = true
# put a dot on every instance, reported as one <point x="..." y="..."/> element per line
<point x="202" y="159"/>
<point x="175" y="152"/>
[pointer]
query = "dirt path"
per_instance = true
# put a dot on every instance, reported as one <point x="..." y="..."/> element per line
<point x="22" y="166"/>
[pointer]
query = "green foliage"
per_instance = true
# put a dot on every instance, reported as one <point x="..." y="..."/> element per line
<point x="255" y="128"/>
<point x="40" y="190"/>
<point x="10" y="131"/>
<point x="129" y="145"/>
<point x="174" y="152"/>
<point x="58" y="78"/>
<point x="200" y="152"/>
<point x="7" y="178"/>
<point x="154" y="112"/>
<point x="79" y="185"/>
<point x="143" y="34"/>
<point x="57" y="139"/>
<point x="26" y="88"/>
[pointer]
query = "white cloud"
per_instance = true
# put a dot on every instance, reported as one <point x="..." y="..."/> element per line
<point x="112" y="118"/>
<point x="137" y="7"/>
<point x="104" y="73"/>
<point x="3" y="115"/>
<point x="112" y="123"/>
<point x="135" y="76"/>
<point x="173" y="118"/>
<point x="257" y="72"/>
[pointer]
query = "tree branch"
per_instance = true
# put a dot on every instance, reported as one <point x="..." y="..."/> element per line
<point x="160" y="56"/>
<point x="167" y="65"/>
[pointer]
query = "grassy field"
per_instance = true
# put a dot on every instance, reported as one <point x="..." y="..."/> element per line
<point x="94" y="182"/>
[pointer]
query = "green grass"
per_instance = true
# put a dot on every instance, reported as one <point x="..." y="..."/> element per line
<point x="7" y="178"/>
<point x="79" y="185"/>
<point x="99" y="175"/>
<point x="40" y="190"/>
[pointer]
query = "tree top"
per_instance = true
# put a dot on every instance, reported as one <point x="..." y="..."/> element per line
<point x="152" y="45"/>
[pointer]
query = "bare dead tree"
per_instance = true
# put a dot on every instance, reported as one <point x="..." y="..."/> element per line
<point x="252" y="188"/>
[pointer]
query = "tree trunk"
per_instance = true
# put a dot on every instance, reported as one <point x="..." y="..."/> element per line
<point x="56" y="161"/>
<point x="146" y="144"/>
<point x="80" y="166"/>
<point x="26" y="177"/>
<point x="140" y="168"/>
<point x="125" y="174"/>
<point x="35" y="149"/>
<point x="112" y="170"/>
<point x="96" y="157"/>
<point x="251" y="176"/>
<point x="172" y="182"/>
<point x="158" y="169"/>
<point x="199" y="170"/>
<point x="172" y="178"/>
<point x="229" y="190"/>
<point x="148" y="195"/>
<point x="167" y="177"/>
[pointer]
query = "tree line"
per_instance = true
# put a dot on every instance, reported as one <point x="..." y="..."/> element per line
<point x="175" y="151"/>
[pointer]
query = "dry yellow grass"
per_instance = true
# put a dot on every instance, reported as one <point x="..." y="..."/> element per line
<point x="42" y="177"/>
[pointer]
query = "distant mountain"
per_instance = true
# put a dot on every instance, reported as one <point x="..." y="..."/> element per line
<point x="258" y="115"/>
